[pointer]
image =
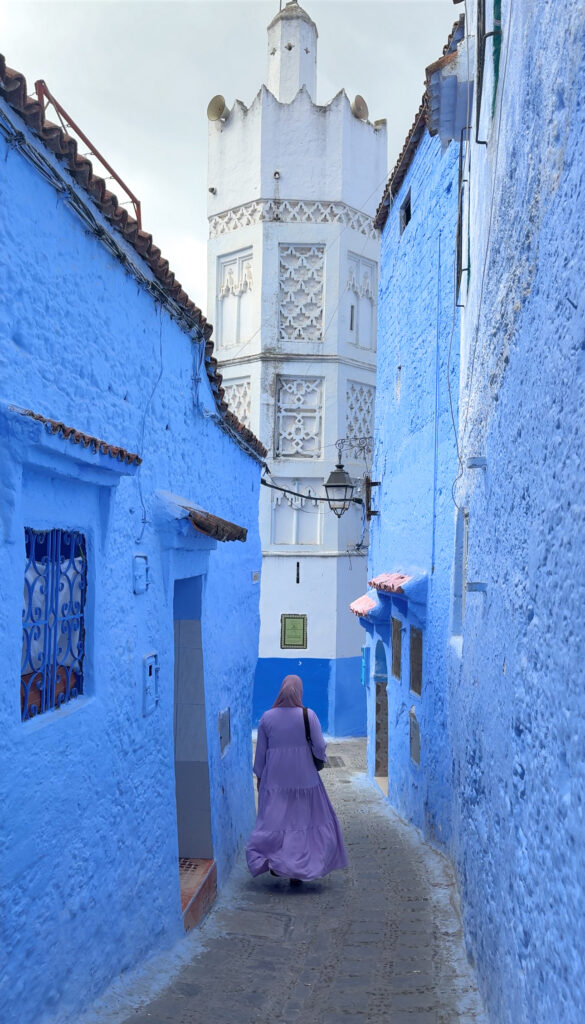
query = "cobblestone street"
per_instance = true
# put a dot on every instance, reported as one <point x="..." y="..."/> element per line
<point x="380" y="942"/>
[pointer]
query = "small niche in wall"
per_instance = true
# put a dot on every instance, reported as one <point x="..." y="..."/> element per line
<point x="414" y="737"/>
<point x="396" y="648"/>
<point x="416" y="656"/>
<point x="224" y="729"/>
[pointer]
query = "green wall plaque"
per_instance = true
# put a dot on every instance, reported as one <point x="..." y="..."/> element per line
<point x="293" y="631"/>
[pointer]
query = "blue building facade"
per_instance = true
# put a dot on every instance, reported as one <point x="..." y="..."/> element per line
<point x="517" y="718"/>
<point x="406" y="612"/>
<point x="501" y="715"/>
<point x="129" y="522"/>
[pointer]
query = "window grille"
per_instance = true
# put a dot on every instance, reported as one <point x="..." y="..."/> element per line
<point x="416" y="655"/>
<point x="396" y="648"/>
<point x="53" y="629"/>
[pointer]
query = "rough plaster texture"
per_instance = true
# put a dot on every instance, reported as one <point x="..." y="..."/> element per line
<point x="517" y="716"/>
<point x="416" y="464"/>
<point x="88" y="849"/>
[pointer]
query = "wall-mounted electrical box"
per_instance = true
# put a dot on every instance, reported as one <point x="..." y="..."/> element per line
<point x="140" y="574"/>
<point x="150" y="671"/>
<point x="224" y="729"/>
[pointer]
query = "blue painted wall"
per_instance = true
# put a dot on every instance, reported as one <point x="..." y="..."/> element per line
<point x="315" y="675"/>
<point x="88" y="846"/>
<point x="330" y="687"/>
<point x="415" y="460"/>
<point x="502" y="715"/>
<point x="517" y="694"/>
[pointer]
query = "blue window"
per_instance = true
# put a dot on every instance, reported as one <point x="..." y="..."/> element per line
<point x="53" y="632"/>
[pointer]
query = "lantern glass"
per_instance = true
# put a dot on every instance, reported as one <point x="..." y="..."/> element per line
<point x="339" y="490"/>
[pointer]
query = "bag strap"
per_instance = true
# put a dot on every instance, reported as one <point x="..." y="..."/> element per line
<point x="307" y="727"/>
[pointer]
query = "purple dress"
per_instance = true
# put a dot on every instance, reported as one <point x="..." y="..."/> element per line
<point x="297" y="833"/>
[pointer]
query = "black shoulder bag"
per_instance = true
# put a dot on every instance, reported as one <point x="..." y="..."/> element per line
<point x="319" y="764"/>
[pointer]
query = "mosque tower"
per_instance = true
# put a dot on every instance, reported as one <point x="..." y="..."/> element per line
<point x="293" y="275"/>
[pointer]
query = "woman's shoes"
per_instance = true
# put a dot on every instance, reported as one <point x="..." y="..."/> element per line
<point x="296" y="881"/>
<point x="273" y="873"/>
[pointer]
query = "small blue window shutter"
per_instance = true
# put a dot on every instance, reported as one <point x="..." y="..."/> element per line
<point x="365" y="665"/>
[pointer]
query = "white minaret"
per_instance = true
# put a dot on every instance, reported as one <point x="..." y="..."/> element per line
<point x="292" y="53"/>
<point x="293" y="266"/>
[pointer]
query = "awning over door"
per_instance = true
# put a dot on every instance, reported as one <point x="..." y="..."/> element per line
<point x="205" y="522"/>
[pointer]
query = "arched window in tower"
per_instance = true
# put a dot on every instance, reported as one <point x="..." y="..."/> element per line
<point x="360" y="301"/>
<point x="234" y="300"/>
<point x="300" y="316"/>
<point x="297" y="520"/>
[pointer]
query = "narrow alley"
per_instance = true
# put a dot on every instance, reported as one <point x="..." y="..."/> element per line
<point x="380" y="942"/>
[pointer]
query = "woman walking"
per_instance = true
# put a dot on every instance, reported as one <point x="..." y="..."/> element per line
<point x="297" y="833"/>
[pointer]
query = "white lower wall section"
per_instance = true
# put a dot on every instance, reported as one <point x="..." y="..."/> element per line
<point x="326" y="586"/>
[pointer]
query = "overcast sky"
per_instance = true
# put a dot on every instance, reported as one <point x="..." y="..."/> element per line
<point x="137" y="77"/>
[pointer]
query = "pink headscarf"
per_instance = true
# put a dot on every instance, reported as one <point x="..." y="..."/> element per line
<point x="290" y="694"/>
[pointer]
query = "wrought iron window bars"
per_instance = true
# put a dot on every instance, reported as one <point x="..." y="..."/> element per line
<point x="53" y="628"/>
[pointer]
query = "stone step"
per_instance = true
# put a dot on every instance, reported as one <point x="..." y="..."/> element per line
<point x="198" y="879"/>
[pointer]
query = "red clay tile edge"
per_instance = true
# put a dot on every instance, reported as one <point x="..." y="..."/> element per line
<point x="362" y="605"/>
<point x="389" y="582"/>
<point x="14" y="90"/>
<point x="78" y="437"/>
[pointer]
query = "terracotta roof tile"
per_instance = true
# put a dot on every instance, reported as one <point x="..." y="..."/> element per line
<point x="389" y="582"/>
<point x="79" y="437"/>
<point x="13" y="89"/>
<point x="214" y="526"/>
<point x="362" y="605"/>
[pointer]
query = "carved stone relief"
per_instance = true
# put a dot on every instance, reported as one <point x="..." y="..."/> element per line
<point x="291" y="211"/>
<point x="238" y="397"/>
<point x="297" y="520"/>
<point x="299" y="403"/>
<point x="359" y="406"/>
<point x="235" y="283"/>
<point x="301" y="292"/>
<point x="360" y="301"/>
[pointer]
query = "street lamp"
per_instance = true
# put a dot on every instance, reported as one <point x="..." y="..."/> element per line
<point x="339" y="490"/>
<point x="339" y="487"/>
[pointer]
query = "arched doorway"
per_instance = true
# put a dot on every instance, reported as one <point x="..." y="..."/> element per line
<point x="381" y="720"/>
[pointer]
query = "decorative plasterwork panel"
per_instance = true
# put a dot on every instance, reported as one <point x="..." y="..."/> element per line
<point x="359" y="411"/>
<point x="360" y="313"/>
<point x="301" y="292"/>
<point x="235" y="282"/>
<point x="297" y="520"/>
<point x="299" y="402"/>
<point x="238" y="397"/>
<point x="291" y="211"/>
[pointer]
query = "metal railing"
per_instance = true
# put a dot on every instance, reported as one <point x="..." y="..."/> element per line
<point x="46" y="98"/>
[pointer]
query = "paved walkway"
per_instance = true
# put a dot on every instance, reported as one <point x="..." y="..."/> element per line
<point x="380" y="942"/>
